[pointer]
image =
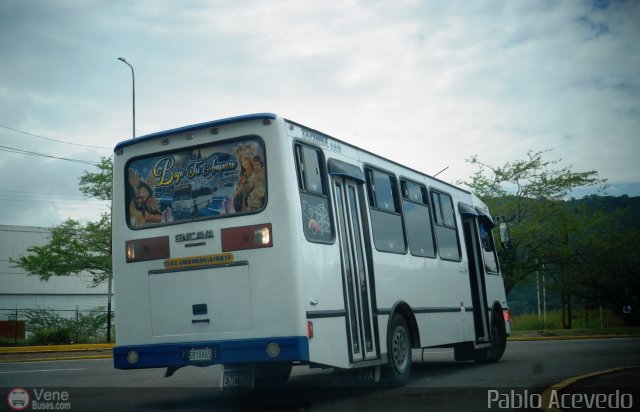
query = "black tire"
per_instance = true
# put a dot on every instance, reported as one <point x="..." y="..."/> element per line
<point x="398" y="368"/>
<point x="270" y="374"/>
<point x="498" y="342"/>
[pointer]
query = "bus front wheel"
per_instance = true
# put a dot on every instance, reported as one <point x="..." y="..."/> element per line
<point x="498" y="342"/>
<point x="398" y="367"/>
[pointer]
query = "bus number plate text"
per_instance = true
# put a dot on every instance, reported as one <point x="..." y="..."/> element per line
<point x="200" y="354"/>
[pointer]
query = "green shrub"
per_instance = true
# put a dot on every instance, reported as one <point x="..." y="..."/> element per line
<point x="48" y="327"/>
<point x="54" y="336"/>
<point x="4" y="341"/>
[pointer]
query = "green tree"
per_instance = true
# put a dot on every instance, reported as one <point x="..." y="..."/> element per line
<point x="76" y="247"/>
<point x="606" y="265"/>
<point x="99" y="185"/>
<point x="529" y="194"/>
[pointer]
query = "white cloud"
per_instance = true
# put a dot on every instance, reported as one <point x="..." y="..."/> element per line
<point x="424" y="83"/>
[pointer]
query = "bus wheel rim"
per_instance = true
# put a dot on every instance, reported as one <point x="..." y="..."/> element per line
<point x="399" y="349"/>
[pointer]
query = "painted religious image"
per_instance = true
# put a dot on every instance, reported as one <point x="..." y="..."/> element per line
<point x="207" y="181"/>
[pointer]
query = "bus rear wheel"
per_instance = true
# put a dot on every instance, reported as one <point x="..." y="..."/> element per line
<point x="398" y="368"/>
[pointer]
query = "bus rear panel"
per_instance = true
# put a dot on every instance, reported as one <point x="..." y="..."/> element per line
<point x="198" y="245"/>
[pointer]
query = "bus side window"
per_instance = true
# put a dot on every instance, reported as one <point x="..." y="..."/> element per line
<point x="446" y="232"/>
<point x="314" y="199"/>
<point x="418" y="219"/>
<point x="313" y="172"/>
<point x="385" y="211"/>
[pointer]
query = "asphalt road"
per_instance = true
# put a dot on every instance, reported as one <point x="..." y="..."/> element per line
<point x="437" y="382"/>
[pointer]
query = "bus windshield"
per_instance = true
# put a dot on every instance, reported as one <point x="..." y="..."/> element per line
<point x="214" y="180"/>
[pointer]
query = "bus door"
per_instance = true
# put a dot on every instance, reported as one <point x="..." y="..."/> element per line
<point x="476" y="275"/>
<point x="356" y="276"/>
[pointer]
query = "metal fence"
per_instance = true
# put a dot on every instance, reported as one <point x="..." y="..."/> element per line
<point x="45" y="326"/>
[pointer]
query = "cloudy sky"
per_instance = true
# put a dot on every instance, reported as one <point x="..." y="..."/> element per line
<point x="425" y="83"/>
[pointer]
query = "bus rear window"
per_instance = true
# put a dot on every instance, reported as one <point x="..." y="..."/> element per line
<point x="215" y="180"/>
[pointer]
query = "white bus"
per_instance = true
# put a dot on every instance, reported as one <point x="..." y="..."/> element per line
<point x="318" y="253"/>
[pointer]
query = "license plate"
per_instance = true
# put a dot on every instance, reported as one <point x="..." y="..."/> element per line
<point x="200" y="354"/>
<point x="237" y="379"/>
<point x="360" y="376"/>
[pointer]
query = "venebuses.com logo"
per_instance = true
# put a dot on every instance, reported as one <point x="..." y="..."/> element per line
<point x="19" y="399"/>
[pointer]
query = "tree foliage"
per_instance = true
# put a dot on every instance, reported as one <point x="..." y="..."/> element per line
<point x="585" y="248"/>
<point x="529" y="194"/>
<point x="532" y="178"/>
<point x="77" y="247"/>
<point x="98" y="184"/>
<point x="606" y="266"/>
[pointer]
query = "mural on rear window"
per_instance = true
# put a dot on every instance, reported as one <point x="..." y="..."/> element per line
<point x="209" y="181"/>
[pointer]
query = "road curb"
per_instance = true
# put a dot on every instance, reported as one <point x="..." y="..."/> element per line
<point x="57" y="348"/>
<point x="546" y="395"/>
<point x="60" y="358"/>
<point x="533" y="338"/>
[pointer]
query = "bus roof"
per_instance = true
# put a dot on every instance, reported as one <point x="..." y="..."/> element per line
<point x="359" y="149"/>
<point x="185" y="129"/>
<point x="259" y="116"/>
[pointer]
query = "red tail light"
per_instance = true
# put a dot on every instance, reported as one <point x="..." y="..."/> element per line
<point x="152" y="248"/>
<point x="507" y="315"/>
<point x="247" y="237"/>
<point x="310" y="329"/>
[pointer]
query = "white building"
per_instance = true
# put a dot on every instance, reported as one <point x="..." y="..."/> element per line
<point x="19" y="291"/>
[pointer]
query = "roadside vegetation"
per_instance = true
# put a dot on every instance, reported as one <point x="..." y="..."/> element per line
<point x="48" y="327"/>
<point x="585" y="322"/>
<point x="582" y="250"/>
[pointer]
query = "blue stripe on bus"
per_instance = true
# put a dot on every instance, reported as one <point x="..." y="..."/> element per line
<point x="161" y="355"/>
<point x="191" y="128"/>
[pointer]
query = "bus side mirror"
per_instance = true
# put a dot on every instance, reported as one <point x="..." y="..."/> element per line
<point x="505" y="235"/>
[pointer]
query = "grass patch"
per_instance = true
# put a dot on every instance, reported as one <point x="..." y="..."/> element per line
<point x="584" y="322"/>
<point x="4" y="341"/>
<point x="623" y="331"/>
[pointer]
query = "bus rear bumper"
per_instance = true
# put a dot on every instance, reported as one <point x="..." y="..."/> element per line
<point x="295" y="348"/>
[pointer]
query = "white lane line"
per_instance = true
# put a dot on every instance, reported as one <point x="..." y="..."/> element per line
<point x="44" y="370"/>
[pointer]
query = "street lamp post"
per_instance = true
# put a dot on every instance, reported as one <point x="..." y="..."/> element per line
<point x="110" y="280"/>
<point x="133" y="78"/>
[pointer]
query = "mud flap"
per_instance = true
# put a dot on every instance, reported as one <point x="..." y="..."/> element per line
<point x="464" y="352"/>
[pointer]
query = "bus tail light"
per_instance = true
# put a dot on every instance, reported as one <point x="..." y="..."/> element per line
<point x="153" y="248"/>
<point x="507" y="315"/>
<point x="247" y="237"/>
<point x="310" y="329"/>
